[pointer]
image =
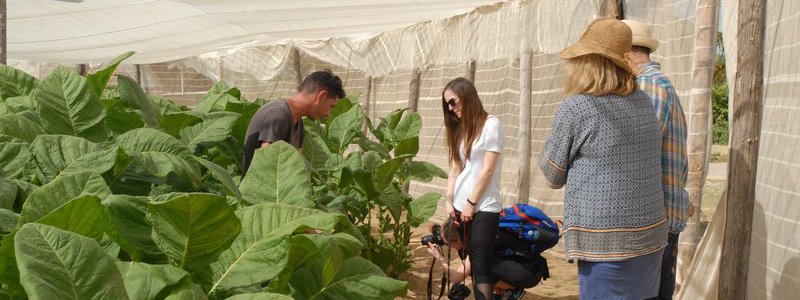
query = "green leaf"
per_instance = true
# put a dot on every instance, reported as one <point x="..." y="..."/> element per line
<point x="336" y="249"/>
<point x="216" y="127"/>
<point x="246" y="110"/>
<point x="160" y="153"/>
<point x="408" y="127"/>
<point x="145" y="281"/>
<point x="129" y="176"/>
<point x="9" y="271"/>
<point x="14" y="82"/>
<point x="19" y="104"/>
<point x="342" y="106"/>
<point x="356" y="279"/>
<point x="407" y="146"/>
<point x="344" y="128"/>
<point x="186" y="290"/>
<point x="218" y="97"/>
<point x="8" y="194"/>
<point x="422" y="209"/>
<point x="8" y="220"/>
<point x="260" y="253"/>
<point x="57" y="264"/>
<point x="174" y="122"/>
<point x="127" y="213"/>
<point x="67" y="105"/>
<point x="423" y="171"/>
<point x="164" y="105"/>
<point x="260" y="296"/>
<point x="277" y="174"/>
<point x="121" y="119"/>
<point x="19" y="127"/>
<point x="99" y="80"/>
<point x="131" y="92"/>
<point x="221" y="175"/>
<point x="384" y="173"/>
<point x="315" y="149"/>
<point x="193" y="229"/>
<point x="60" y="191"/>
<point x="54" y="154"/>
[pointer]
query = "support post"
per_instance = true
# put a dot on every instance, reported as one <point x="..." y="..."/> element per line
<point x="138" y="74"/>
<point x="83" y="69"/>
<point x="221" y="69"/>
<point x="611" y="9"/>
<point x="525" y="70"/>
<point x="367" y="102"/>
<point x="3" y="31"/>
<point x="413" y="95"/>
<point x="699" y="127"/>
<point x="299" y="72"/>
<point x="743" y="156"/>
<point x="471" y="70"/>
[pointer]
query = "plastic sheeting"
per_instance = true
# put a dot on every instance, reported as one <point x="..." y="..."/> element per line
<point x="74" y="31"/>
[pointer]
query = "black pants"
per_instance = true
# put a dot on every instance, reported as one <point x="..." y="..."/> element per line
<point x="517" y="271"/>
<point x="480" y="246"/>
<point x="668" y="261"/>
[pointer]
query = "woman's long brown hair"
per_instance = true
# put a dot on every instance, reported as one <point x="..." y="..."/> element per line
<point x="473" y="116"/>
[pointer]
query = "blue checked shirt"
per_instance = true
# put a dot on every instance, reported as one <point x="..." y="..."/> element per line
<point x="674" y="162"/>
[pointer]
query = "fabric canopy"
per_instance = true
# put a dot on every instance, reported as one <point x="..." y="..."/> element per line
<point x="74" y="31"/>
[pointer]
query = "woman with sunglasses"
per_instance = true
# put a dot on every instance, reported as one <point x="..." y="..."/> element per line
<point x="474" y="147"/>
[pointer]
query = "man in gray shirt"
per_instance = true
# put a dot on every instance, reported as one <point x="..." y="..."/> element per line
<point x="281" y="120"/>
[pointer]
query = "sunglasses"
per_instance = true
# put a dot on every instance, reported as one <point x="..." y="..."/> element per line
<point x="451" y="102"/>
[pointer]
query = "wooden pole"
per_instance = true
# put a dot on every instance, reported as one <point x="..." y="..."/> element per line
<point x="138" y="74"/>
<point x="743" y="156"/>
<point x="83" y="69"/>
<point x="699" y="125"/>
<point x="525" y="71"/>
<point x="367" y="101"/>
<point x="471" y="70"/>
<point x="413" y="97"/>
<point x="611" y="9"/>
<point x="299" y="72"/>
<point x="221" y="69"/>
<point x="3" y="31"/>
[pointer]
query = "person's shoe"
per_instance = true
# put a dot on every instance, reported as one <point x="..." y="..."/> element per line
<point x="514" y="294"/>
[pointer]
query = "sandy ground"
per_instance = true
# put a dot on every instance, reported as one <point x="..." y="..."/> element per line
<point x="563" y="283"/>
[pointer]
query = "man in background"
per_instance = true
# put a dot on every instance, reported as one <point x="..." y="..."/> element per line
<point x="674" y="163"/>
<point x="281" y="119"/>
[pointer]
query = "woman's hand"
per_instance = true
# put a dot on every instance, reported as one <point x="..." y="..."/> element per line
<point x="468" y="212"/>
<point x="434" y="252"/>
<point x="451" y="211"/>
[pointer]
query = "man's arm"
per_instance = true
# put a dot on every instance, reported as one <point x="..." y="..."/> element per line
<point x="265" y="144"/>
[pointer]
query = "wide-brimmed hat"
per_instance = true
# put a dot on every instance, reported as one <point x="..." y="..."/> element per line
<point x="607" y="37"/>
<point x="642" y="35"/>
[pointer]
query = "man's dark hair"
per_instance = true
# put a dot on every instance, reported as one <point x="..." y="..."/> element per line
<point x="641" y="49"/>
<point x="324" y="79"/>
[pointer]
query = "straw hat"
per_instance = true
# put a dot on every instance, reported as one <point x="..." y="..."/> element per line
<point x="642" y="35"/>
<point x="607" y="37"/>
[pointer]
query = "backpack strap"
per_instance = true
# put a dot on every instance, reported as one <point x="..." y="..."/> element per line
<point x="522" y="214"/>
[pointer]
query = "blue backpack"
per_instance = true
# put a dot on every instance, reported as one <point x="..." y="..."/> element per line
<point x="531" y="225"/>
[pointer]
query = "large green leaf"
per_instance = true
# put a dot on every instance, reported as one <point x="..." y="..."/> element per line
<point x="246" y="110"/>
<point x="384" y="173"/>
<point x="119" y="118"/>
<point x="260" y="296"/>
<point x="193" y="229"/>
<point x="315" y="149"/>
<point x="218" y="97"/>
<point x="19" y="127"/>
<point x="60" y="191"/>
<point x="149" y="282"/>
<point x="174" y="122"/>
<point x="131" y="92"/>
<point x="165" y="105"/>
<point x="345" y="127"/>
<point x="8" y="193"/>
<point x="408" y="146"/>
<point x="408" y="127"/>
<point x="68" y="105"/>
<point x="9" y="271"/>
<point x="356" y="279"/>
<point x="342" y="106"/>
<point x="8" y="220"/>
<point x="57" y="264"/>
<point x="277" y="174"/>
<point x="423" y="171"/>
<point x="221" y="175"/>
<point x="54" y="154"/>
<point x="99" y="80"/>
<point x="160" y="153"/>
<point x="215" y="127"/>
<point x="129" y="176"/>
<point x="19" y="104"/>
<point x="14" y="82"/>
<point x="260" y="253"/>
<point x="16" y="132"/>
<point x="86" y="216"/>
<point x="128" y="213"/>
<point x="422" y="208"/>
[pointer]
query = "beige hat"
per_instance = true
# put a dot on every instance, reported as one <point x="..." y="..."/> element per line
<point x="607" y="37"/>
<point x="642" y="35"/>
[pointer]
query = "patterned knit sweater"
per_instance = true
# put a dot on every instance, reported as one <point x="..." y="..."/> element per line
<point x="607" y="150"/>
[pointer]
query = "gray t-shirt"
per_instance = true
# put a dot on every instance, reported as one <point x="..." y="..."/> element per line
<point x="272" y="123"/>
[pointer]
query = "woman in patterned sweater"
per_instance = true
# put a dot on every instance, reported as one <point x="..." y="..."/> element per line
<point x="605" y="146"/>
